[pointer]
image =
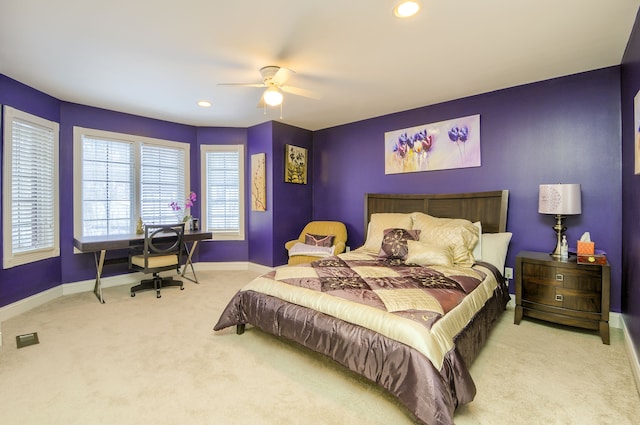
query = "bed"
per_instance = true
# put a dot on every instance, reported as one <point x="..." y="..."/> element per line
<point x="409" y="310"/>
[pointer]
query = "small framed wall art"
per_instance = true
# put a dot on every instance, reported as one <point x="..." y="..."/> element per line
<point x="258" y="182"/>
<point x="295" y="164"/>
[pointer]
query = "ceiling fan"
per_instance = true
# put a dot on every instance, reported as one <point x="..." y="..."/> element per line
<point x="274" y="79"/>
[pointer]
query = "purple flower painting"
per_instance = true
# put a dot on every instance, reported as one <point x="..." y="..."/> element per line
<point x="438" y="146"/>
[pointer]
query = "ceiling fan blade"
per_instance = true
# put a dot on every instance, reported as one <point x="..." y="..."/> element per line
<point x="301" y="92"/>
<point x="242" y="84"/>
<point x="282" y="76"/>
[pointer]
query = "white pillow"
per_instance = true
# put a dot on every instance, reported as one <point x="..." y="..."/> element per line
<point x="424" y="254"/>
<point x="382" y="221"/>
<point x="494" y="248"/>
<point x="477" y="250"/>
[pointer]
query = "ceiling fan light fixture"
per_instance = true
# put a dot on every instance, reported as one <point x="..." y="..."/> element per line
<point x="405" y="9"/>
<point x="272" y="96"/>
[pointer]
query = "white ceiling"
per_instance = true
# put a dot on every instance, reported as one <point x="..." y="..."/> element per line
<point x="157" y="58"/>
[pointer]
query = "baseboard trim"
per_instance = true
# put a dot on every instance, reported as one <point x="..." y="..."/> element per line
<point x="26" y="304"/>
<point x="29" y="303"/>
<point x="634" y="359"/>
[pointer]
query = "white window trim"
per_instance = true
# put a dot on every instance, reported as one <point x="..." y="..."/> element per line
<point x="223" y="236"/>
<point x="11" y="259"/>
<point x="79" y="132"/>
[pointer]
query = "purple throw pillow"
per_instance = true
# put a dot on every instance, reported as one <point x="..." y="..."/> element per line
<point x="394" y="243"/>
<point x="318" y="240"/>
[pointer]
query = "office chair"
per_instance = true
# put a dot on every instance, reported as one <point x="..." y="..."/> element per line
<point x="162" y="251"/>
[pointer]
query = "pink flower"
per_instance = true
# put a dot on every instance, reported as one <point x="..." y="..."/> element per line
<point x="188" y="203"/>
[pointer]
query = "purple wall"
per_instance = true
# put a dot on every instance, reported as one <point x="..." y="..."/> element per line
<point x="630" y="71"/>
<point x="288" y="205"/>
<point x="23" y="281"/>
<point x="19" y="282"/>
<point x="563" y="130"/>
<point x="292" y="203"/>
<point x="260" y="225"/>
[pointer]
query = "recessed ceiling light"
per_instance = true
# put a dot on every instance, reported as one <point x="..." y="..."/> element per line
<point x="405" y="9"/>
<point x="204" y="103"/>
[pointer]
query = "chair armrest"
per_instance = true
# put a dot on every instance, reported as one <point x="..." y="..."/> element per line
<point x="339" y="249"/>
<point x="290" y="244"/>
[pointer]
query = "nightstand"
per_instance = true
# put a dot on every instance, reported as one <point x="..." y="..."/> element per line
<point x="563" y="291"/>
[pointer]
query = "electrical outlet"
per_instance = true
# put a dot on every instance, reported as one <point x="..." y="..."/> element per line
<point x="508" y="273"/>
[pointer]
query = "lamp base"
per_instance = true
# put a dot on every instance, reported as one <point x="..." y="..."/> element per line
<point x="560" y="229"/>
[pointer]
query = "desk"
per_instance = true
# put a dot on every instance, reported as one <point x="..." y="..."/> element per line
<point x="100" y="244"/>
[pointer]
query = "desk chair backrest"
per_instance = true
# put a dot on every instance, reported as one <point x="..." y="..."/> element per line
<point x="162" y="248"/>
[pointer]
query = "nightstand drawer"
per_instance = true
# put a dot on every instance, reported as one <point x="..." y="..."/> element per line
<point x="558" y="296"/>
<point x="583" y="279"/>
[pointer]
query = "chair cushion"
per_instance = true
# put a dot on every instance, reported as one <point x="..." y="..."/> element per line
<point x="155" y="262"/>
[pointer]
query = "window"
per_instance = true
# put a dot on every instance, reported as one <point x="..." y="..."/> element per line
<point x="120" y="178"/>
<point x="223" y="190"/>
<point x="30" y="202"/>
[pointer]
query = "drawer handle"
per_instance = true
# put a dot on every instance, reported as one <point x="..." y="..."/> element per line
<point x="559" y="297"/>
<point x="560" y="277"/>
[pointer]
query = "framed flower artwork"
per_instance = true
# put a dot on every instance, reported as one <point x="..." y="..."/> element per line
<point x="295" y="164"/>
<point x="437" y="146"/>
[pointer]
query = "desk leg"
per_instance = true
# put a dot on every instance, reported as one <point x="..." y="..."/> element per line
<point x="97" y="289"/>
<point x="189" y="263"/>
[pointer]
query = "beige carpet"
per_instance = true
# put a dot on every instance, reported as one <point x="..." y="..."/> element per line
<point x="144" y="360"/>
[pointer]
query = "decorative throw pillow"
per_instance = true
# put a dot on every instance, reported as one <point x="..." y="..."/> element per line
<point x="428" y="255"/>
<point x="318" y="240"/>
<point x="394" y="243"/>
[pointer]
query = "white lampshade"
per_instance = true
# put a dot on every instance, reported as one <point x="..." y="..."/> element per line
<point x="559" y="199"/>
<point x="272" y="96"/>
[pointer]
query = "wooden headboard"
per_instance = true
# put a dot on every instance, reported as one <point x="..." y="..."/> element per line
<point x="490" y="208"/>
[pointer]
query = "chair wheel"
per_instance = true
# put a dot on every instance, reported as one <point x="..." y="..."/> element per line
<point x="133" y="294"/>
<point x="158" y="296"/>
<point x="182" y="288"/>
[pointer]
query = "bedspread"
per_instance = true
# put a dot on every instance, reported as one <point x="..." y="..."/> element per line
<point x="393" y="323"/>
<point x="399" y="301"/>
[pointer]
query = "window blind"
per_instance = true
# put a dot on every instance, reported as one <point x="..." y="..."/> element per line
<point x="223" y="191"/>
<point x="161" y="183"/>
<point x="33" y="187"/>
<point x="107" y="187"/>
<point x="30" y="196"/>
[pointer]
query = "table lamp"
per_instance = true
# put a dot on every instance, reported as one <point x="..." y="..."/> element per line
<point x="560" y="200"/>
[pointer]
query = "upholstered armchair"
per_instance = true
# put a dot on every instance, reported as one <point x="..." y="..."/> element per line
<point x="319" y="229"/>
